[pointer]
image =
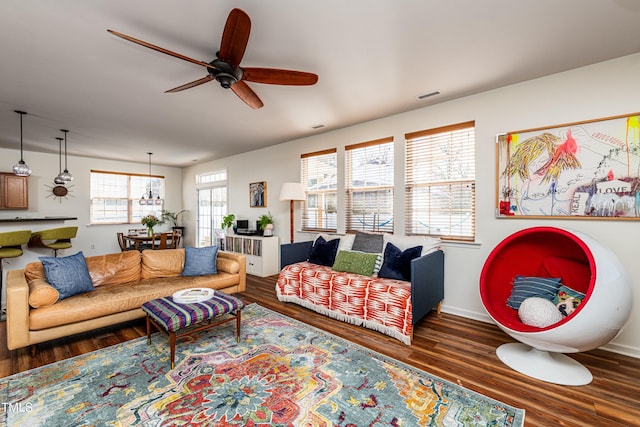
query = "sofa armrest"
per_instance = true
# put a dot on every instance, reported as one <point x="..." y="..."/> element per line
<point x="290" y="253"/>
<point x="427" y="284"/>
<point x="17" y="310"/>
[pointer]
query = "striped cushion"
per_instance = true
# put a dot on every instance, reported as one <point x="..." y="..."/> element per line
<point x="173" y="316"/>
<point x="528" y="286"/>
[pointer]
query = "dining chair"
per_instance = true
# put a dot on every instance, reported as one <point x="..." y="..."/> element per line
<point x="175" y="241"/>
<point x="162" y="240"/>
<point x="124" y="243"/>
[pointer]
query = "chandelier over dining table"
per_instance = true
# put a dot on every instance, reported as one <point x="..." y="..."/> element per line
<point x="151" y="198"/>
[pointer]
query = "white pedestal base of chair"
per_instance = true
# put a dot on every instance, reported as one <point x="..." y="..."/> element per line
<point x="547" y="366"/>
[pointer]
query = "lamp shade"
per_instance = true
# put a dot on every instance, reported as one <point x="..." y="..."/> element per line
<point x="292" y="191"/>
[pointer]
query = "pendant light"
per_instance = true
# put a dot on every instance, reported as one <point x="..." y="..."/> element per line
<point x="65" y="176"/>
<point x="148" y="199"/>
<point x="58" y="179"/>
<point x="21" y="168"/>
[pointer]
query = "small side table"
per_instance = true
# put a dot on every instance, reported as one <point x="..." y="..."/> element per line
<point x="171" y="317"/>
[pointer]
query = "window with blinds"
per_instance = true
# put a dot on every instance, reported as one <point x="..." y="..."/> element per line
<point x="114" y="197"/>
<point x="319" y="177"/>
<point x="369" y="186"/>
<point x="440" y="182"/>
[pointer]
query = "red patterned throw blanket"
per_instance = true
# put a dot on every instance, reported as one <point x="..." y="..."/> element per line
<point x="383" y="305"/>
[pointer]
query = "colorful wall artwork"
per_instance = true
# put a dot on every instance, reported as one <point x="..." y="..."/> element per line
<point x="587" y="169"/>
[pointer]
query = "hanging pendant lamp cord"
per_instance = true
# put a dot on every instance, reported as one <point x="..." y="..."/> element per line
<point x="21" y="156"/>
<point x="65" y="149"/>
<point x="150" y="192"/>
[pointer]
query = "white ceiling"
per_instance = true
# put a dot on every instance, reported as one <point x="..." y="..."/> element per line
<point x="373" y="58"/>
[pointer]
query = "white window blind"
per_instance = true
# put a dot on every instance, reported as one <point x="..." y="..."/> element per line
<point x="440" y="182"/>
<point x="319" y="174"/>
<point x="369" y="186"/>
<point x="114" y="197"/>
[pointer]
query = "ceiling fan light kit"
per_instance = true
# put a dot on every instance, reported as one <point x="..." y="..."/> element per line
<point x="226" y="70"/>
<point x="21" y="168"/>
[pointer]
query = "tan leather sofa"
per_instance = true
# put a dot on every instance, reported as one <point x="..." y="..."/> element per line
<point x="122" y="281"/>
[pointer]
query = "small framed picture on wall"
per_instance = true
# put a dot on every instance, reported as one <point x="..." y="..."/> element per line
<point x="258" y="194"/>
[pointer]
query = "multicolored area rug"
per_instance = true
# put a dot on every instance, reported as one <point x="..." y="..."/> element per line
<point x="282" y="373"/>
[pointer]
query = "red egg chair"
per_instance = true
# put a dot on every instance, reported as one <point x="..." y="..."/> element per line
<point x="583" y="264"/>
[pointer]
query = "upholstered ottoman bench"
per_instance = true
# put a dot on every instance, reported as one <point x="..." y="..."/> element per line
<point x="172" y="317"/>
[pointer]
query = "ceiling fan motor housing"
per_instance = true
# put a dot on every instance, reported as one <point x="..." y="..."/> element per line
<point x="224" y="73"/>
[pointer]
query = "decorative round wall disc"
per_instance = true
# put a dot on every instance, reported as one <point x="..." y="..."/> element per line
<point x="60" y="190"/>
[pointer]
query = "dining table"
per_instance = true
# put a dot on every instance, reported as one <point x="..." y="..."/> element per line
<point x="140" y="241"/>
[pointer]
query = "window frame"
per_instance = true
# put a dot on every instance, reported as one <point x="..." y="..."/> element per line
<point x="455" y="182"/>
<point x="374" y="173"/>
<point x="133" y="193"/>
<point x="219" y="183"/>
<point x="321" y="202"/>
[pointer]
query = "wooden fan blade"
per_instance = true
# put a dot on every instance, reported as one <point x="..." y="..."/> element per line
<point x="161" y="49"/>
<point x="235" y="37"/>
<point x="275" y="76"/>
<point x="195" y="83"/>
<point x="245" y="93"/>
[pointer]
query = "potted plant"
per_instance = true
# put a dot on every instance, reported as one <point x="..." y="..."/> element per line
<point x="266" y="224"/>
<point x="228" y="221"/>
<point x="173" y="218"/>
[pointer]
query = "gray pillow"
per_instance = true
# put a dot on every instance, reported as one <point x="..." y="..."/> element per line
<point x="69" y="275"/>
<point x="368" y="242"/>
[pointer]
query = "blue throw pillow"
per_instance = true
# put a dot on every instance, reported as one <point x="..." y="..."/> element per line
<point x="528" y="286"/>
<point x="323" y="252"/>
<point x="397" y="264"/>
<point x="200" y="261"/>
<point x="69" y="275"/>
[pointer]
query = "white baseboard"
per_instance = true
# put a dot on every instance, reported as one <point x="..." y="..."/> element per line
<point x="483" y="317"/>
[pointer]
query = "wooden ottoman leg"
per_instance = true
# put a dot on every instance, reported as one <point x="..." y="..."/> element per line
<point x="148" y="330"/>
<point x="172" y="345"/>
<point x="238" y="319"/>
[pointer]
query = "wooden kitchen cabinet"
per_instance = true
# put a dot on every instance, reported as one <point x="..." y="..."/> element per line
<point x="14" y="191"/>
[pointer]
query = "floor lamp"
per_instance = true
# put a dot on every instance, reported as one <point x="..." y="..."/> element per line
<point x="291" y="191"/>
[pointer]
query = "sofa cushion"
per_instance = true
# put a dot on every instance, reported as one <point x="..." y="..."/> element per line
<point x="355" y="262"/>
<point x="200" y="261"/>
<point x="112" y="269"/>
<point x="396" y="263"/>
<point x="162" y="263"/>
<point x="368" y="242"/>
<point x="42" y="294"/>
<point x="109" y="269"/>
<point x="69" y="275"/>
<point x="324" y="252"/>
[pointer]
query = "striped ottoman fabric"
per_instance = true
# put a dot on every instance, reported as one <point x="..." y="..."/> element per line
<point x="173" y="316"/>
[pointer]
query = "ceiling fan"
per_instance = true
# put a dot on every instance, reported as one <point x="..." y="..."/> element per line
<point x="226" y="70"/>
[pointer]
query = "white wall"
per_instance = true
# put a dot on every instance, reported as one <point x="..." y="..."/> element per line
<point x="601" y="90"/>
<point x="91" y="240"/>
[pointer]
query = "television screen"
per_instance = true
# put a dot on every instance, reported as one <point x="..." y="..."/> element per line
<point x="242" y="224"/>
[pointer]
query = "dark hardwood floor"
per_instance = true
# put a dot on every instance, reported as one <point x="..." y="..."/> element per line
<point x="457" y="349"/>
